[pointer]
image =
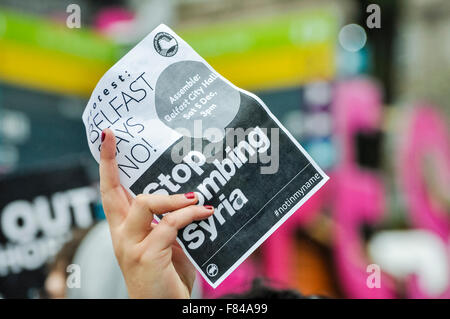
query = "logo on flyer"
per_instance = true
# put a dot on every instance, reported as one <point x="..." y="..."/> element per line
<point x="212" y="270"/>
<point x="165" y="44"/>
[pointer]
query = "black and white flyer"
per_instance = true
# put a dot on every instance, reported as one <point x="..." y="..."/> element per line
<point x="181" y="127"/>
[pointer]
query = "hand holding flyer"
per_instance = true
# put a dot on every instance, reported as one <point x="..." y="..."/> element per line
<point x="181" y="127"/>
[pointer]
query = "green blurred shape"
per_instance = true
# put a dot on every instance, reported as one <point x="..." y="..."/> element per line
<point x="302" y="29"/>
<point x="42" y="34"/>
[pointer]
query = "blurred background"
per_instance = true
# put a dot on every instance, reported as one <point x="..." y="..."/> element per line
<point x="363" y="85"/>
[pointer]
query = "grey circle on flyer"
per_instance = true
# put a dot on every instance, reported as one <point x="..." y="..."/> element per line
<point x="188" y="93"/>
<point x="165" y="44"/>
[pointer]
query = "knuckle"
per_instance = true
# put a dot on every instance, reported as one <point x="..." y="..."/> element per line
<point x="170" y="221"/>
<point x="193" y="210"/>
<point x="142" y="200"/>
<point x="177" y="197"/>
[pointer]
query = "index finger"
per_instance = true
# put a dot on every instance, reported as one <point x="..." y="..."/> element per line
<point x="114" y="197"/>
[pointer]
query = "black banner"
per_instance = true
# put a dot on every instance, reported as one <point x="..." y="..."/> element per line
<point x="37" y="213"/>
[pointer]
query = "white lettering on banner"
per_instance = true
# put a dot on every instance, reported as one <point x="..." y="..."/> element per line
<point x="36" y="229"/>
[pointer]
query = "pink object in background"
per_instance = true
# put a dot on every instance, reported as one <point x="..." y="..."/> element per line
<point x="356" y="107"/>
<point x="107" y="19"/>
<point x="359" y="199"/>
<point x="426" y="138"/>
<point x="359" y="195"/>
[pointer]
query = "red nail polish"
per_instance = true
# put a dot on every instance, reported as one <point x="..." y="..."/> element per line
<point x="103" y="136"/>
<point x="209" y="207"/>
<point x="189" y="195"/>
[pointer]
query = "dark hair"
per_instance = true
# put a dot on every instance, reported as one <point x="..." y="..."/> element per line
<point x="261" y="290"/>
<point x="66" y="254"/>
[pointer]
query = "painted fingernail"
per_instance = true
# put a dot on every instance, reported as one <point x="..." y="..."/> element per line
<point x="209" y="207"/>
<point x="190" y="195"/>
<point x="103" y="136"/>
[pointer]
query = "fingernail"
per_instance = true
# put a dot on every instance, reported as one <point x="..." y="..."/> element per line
<point x="190" y="195"/>
<point x="209" y="207"/>
<point x="103" y="136"/>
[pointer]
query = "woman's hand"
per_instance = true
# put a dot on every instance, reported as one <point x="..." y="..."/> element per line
<point x="152" y="262"/>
